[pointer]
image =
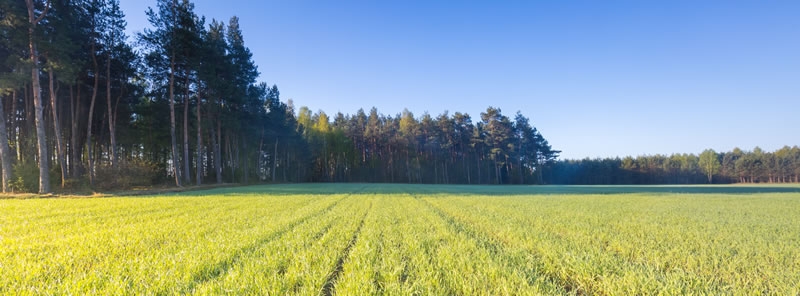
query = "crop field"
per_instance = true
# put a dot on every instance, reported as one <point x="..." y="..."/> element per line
<point x="364" y="239"/>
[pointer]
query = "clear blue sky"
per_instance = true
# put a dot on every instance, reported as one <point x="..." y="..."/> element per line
<point x="598" y="78"/>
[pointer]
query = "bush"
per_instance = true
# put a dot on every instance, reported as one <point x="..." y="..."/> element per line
<point x="126" y="175"/>
<point x="26" y="178"/>
<point x="18" y="185"/>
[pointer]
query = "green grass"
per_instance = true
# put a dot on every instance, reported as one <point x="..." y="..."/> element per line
<point x="354" y="239"/>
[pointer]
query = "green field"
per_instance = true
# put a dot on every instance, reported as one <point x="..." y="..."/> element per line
<point x="408" y="239"/>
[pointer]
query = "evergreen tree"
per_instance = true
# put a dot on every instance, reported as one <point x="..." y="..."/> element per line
<point x="37" y="12"/>
<point x="162" y="57"/>
<point x="497" y="134"/>
<point x="114" y="42"/>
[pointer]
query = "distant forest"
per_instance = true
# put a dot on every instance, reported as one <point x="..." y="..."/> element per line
<point x="737" y="166"/>
<point x="83" y="109"/>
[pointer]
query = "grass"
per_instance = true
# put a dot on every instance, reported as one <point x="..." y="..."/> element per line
<point x="362" y="239"/>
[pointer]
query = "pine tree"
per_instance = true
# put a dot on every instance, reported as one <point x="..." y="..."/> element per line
<point x="114" y="42"/>
<point x="41" y="136"/>
<point x="162" y="58"/>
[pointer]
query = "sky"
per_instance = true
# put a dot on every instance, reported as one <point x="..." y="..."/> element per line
<point x="597" y="78"/>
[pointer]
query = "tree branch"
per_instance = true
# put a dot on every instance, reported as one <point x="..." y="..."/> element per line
<point x="41" y="16"/>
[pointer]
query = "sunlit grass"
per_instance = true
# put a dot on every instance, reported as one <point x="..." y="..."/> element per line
<point x="355" y="239"/>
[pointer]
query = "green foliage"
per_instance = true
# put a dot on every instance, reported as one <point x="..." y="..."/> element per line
<point x="446" y="149"/>
<point x="26" y="178"/>
<point x="709" y="163"/>
<point x="19" y="185"/>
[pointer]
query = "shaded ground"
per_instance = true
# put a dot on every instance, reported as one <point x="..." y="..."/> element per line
<point x="333" y="188"/>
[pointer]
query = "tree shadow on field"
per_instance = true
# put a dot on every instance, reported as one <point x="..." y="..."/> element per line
<point x="492" y="190"/>
<point x="611" y="189"/>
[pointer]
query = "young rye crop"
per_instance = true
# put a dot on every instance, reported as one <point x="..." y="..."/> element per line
<point x="401" y="239"/>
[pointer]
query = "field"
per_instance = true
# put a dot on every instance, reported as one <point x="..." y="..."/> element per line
<point x="357" y="239"/>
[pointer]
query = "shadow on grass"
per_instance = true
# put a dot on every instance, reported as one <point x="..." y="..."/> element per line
<point x="361" y="188"/>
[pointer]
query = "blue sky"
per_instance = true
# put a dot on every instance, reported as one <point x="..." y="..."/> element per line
<point x="598" y="78"/>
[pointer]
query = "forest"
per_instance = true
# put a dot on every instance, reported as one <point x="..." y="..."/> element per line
<point x="736" y="166"/>
<point x="86" y="107"/>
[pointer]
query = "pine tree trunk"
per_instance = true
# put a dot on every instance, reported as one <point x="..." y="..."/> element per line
<point x="480" y="179"/>
<point x="111" y="116"/>
<point x="174" y="142"/>
<point x="259" y="159"/>
<point x="5" y="151"/>
<point x="417" y="177"/>
<point x="446" y="173"/>
<point x="408" y="167"/>
<point x="229" y="155"/>
<point x="245" y="175"/>
<point x="275" y="161"/>
<point x="209" y="156"/>
<point x="74" y="149"/>
<point x="286" y="166"/>
<point x="199" y="160"/>
<point x="391" y="164"/>
<point x="26" y="136"/>
<point x="186" y="168"/>
<point x="469" y="172"/>
<point x="89" y="154"/>
<point x="521" y="172"/>
<point x="235" y="156"/>
<point x="14" y="124"/>
<point x="41" y="136"/>
<point x="218" y="152"/>
<point x="114" y="122"/>
<point x="497" y="172"/>
<point x="57" y="131"/>
<point x="435" y="170"/>
<point x="175" y="159"/>
<point x="540" y="173"/>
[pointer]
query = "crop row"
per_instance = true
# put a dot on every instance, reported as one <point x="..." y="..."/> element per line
<point x="644" y="245"/>
<point x="409" y="249"/>
<point x="135" y="245"/>
<point x="299" y="261"/>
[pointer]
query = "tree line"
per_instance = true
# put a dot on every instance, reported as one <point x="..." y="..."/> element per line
<point x="85" y="106"/>
<point x="446" y="149"/>
<point x="736" y="166"/>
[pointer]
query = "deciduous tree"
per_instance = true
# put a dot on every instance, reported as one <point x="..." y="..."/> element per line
<point x="709" y="162"/>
